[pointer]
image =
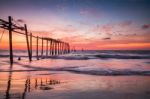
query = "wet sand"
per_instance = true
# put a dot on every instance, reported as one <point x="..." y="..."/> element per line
<point x="64" y="85"/>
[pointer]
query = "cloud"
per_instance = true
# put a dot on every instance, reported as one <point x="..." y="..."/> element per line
<point x="146" y="26"/>
<point x="21" y="20"/>
<point x="107" y="38"/>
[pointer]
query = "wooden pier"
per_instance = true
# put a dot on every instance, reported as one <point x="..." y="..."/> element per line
<point x="53" y="46"/>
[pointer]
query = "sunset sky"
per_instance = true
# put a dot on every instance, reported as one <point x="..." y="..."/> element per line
<point x="88" y="24"/>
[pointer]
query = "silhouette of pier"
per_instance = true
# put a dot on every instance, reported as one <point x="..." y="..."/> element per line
<point x="53" y="46"/>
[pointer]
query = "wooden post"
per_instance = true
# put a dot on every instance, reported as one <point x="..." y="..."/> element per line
<point x="37" y="56"/>
<point x="52" y="47"/>
<point x="10" y="40"/>
<point x="31" y="45"/>
<point x="64" y="48"/>
<point x="60" y="47"/>
<point x="42" y="49"/>
<point x="55" y="48"/>
<point x="69" y="47"/>
<point x="26" y="32"/>
<point x="46" y="48"/>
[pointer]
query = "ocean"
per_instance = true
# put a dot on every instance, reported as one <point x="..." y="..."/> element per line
<point x="118" y="74"/>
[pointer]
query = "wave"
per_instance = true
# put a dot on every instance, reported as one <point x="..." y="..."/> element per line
<point x="111" y="72"/>
<point x="86" y="57"/>
<point x="100" y="56"/>
<point x="123" y="56"/>
<point x="90" y="55"/>
<point x="79" y="70"/>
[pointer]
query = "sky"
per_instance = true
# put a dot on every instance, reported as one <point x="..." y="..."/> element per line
<point x="87" y="24"/>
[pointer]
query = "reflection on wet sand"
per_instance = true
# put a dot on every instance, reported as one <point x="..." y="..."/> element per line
<point x="29" y="84"/>
<point x="9" y="84"/>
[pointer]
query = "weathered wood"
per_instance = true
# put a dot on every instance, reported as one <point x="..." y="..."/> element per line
<point x="69" y="47"/>
<point x="62" y="48"/>
<point x="42" y="48"/>
<point x="37" y="48"/>
<point x="46" y="48"/>
<point x="10" y="39"/>
<point x="56" y="48"/>
<point x="31" y="45"/>
<point x="27" y="41"/>
<point x="59" y="47"/>
<point x="52" y="47"/>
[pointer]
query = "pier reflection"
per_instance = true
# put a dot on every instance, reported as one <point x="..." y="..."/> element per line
<point x="14" y="87"/>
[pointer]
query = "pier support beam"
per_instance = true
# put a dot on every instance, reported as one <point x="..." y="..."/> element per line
<point x="27" y="40"/>
<point x="10" y="39"/>
<point x="42" y="49"/>
<point x="52" y="47"/>
<point x="58" y="48"/>
<point x="37" y="48"/>
<point x="50" y="44"/>
<point x="55" y="47"/>
<point x="46" y="48"/>
<point x="31" y="45"/>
